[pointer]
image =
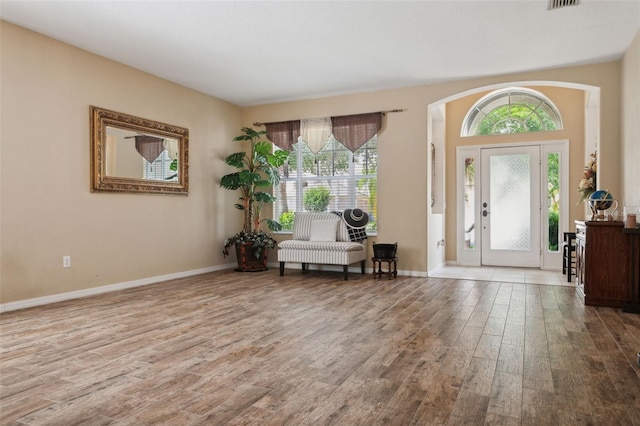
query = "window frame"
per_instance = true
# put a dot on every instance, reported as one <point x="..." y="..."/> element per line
<point x="501" y="98"/>
<point x="164" y="174"/>
<point x="301" y="181"/>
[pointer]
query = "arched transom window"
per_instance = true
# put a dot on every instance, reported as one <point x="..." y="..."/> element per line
<point x="511" y="110"/>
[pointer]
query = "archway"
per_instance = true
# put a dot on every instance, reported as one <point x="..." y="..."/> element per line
<point x="442" y="217"/>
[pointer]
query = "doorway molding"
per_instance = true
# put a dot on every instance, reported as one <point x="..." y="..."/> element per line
<point x="438" y="216"/>
<point x="548" y="260"/>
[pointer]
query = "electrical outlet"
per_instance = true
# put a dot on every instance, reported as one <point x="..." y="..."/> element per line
<point x="66" y="261"/>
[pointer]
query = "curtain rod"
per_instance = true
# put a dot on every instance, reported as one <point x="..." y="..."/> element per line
<point x="383" y="112"/>
<point x="143" y="134"/>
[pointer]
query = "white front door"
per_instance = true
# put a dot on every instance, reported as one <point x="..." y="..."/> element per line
<point x="510" y="206"/>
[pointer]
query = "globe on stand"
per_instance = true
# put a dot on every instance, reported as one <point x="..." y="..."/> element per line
<point x="599" y="201"/>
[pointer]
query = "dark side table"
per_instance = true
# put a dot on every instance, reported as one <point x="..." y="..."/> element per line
<point x="391" y="271"/>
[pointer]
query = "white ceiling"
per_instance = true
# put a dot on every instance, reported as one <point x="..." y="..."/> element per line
<point x="251" y="53"/>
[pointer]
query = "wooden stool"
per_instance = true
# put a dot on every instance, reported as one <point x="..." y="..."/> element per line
<point x="392" y="269"/>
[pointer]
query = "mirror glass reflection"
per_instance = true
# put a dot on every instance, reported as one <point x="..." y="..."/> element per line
<point x="141" y="155"/>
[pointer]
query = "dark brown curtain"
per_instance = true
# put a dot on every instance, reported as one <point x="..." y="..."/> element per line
<point x="284" y="133"/>
<point x="353" y="131"/>
<point x="149" y="147"/>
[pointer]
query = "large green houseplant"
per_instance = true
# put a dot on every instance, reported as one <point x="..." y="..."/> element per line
<point x="256" y="169"/>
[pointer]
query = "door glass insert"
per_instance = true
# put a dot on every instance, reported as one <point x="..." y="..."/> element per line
<point x="510" y="180"/>
<point x="469" y="204"/>
<point x="553" y="200"/>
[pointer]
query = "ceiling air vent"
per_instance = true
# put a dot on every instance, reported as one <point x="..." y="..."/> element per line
<point x="559" y="4"/>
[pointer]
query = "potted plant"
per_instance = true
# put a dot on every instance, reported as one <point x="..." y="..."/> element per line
<point x="256" y="169"/>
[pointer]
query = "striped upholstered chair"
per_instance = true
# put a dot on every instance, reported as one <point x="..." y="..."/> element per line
<point x="321" y="238"/>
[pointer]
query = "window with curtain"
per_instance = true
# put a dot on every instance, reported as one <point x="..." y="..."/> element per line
<point x="331" y="179"/>
<point x="511" y="110"/>
<point x="161" y="168"/>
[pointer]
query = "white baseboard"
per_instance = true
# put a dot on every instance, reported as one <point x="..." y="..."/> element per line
<point x="416" y="274"/>
<point x="38" y="301"/>
<point x="45" y="300"/>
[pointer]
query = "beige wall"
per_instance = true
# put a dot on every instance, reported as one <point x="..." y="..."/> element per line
<point x="402" y="144"/>
<point x="570" y="103"/>
<point x="47" y="209"/>
<point x="631" y="124"/>
<point x="402" y="160"/>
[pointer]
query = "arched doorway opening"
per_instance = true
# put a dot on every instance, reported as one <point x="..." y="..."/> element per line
<point x="442" y="211"/>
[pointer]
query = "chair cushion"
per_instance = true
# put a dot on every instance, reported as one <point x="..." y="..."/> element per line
<point x="323" y="230"/>
<point x="321" y="245"/>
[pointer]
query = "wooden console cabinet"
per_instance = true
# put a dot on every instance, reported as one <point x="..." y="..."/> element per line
<point x="603" y="263"/>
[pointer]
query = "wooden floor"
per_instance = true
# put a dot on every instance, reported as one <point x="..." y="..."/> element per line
<point x="260" y="349"/>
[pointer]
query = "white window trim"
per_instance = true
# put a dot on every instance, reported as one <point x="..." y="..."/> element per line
<point x="474" y="112"/>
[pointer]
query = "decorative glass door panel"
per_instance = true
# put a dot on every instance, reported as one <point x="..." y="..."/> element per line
<point x="469" y="204"/>
<point x="511" y="206"/>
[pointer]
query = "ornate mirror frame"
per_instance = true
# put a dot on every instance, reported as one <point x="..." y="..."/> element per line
<point x="102" y="181"/>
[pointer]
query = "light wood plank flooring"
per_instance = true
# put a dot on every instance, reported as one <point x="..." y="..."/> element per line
<point x="312" y="349"/>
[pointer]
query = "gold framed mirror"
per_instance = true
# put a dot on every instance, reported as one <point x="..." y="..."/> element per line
<point x="137" y="155"/>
